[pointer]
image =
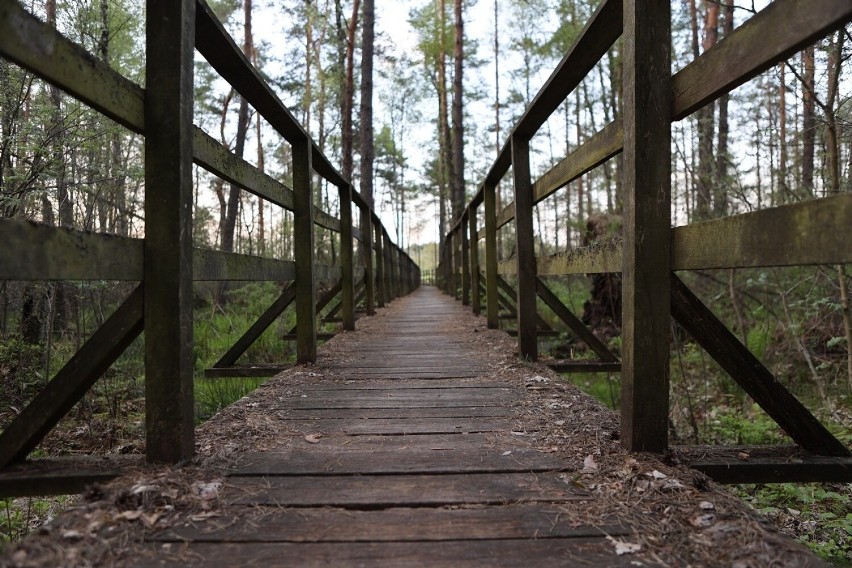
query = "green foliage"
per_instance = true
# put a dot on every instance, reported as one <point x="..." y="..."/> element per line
<point x="818" y="515"/>
<point x="212" y="395"/>
<point x="19" y="516"/>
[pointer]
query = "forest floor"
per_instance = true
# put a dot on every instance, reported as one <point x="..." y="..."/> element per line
<point x="675" y="516"/>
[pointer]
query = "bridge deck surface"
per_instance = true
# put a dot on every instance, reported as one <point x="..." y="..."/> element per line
<point x="419" y="440"/>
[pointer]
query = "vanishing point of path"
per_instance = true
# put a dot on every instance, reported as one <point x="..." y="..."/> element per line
<point x="418" y="440"/>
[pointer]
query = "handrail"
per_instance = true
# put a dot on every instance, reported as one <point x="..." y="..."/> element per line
<point x="649" y="249"/>
<point x="44" y="252"/>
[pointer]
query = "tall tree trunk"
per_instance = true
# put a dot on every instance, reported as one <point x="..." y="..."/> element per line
<point x="832" y="146"/>
<point x="367" y="144"/>
<point x="720" y="199"/>
<point x="808" y="121"/>
<point x="458" y="117"/>
<point x="783" y="188"/>
<point x="309" y="48"/>
<point x="349" y="94"/>
<point x="497" y="199"/>
<point x="705" y="124"/>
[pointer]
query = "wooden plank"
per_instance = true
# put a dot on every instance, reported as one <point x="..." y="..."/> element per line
<point x="60" y="476"/>
<point x="318" y="336"/>
<point x="528" y="520"/>
<point x="573" y="322"/>
<point x="597" y="36"/>
<point x="764" y="464"/>
<point x="215" y="265"/>
<point x="258" y="327"/>
<point x="602" y="146"/>
<point x="647" y="221"/>
<point x="400" y="413"/>
<point x="435" y="462"/>
<point x="367" y="253"/>
<point x="584" y="366"/>
<point x="449" y="554"/>
<point x="400" y="403"/>
<point x="401" y="490"/>
<point x="167" y="264"/>
<point x="760" y="384"/>
<point x="245" y="371"/>
<point x="465" y="260"/>
<point x="72" y="382"/>
<point x="774" y="34"/>
<point x="304" y="252"/>
<point x="347" y="258"/>
<point x="599" y="258"/>
<point x="38" y="47"/>
<point x="812" y="232"/>
<point x="475" y="299"/>
<point x="33" y="251"/>
<point x="380" y="263"/>
<point x="403" y="385"/>
<point x="393" y="427"/>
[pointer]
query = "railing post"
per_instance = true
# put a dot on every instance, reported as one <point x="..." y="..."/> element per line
<point x="390" y="276"/>
<point x="380" y="262"/>
<point x="448" y="264"/>
<point x="347" y="258"/>
<point x="465" y="260"/>
<point x="492" y="307"/>
<point x="474" y="263"/>
<point x="457" y="263"/>
<point x="646" y="272"/>
<point x="167" y="265"/>
<point x="369" y="271"/>
<point x="304" y="250"/>
<point x="525" y="246"/>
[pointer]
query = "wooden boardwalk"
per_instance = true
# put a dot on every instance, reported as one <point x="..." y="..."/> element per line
<point x="413" y="454"/>
<point x="416" y="465"/>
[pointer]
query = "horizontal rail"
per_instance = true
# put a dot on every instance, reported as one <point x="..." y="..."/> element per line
<point x="734" y="60"/>
<point x="42" y="252"/>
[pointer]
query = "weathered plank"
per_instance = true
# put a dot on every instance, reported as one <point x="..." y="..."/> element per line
<point x="647" y="221"/>
<point x="297" y="463"/>
<point x="508" y="553"/>
<point x="167" y="261"/>
<point x="765" y="464"/>
<point x="529" y="521"/>
<point x="401" y="490"/>
<point x="245" y="371"/>
<point x="394" y="427"/>
<point x="347" y="258"/>
<point x="584" y="366"/>
<point x="59" y="476"/>
<point x="401" y="412"/>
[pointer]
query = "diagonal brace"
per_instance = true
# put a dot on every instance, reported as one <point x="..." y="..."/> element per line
<point x="758" y="381"/>
<point x="573" y="322"/>
<point x="256" y="330"/>
<point x="513" y="294"/>
<point x="326" y="298"/>
<point x="72" y="382"/>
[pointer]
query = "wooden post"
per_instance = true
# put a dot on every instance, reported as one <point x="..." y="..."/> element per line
<point x="474" y="263"/>
<point x="646" y="272"/>
<point x="167" y="265"/>
<point x="465" y="260"/>
<point x="390" y="271"/>
<point x="304" y="252"/>
<point x="369" y="271"/>
<point x="525" y="246"/>
<point x="380" y="263"/>
<point x="491" y="306"/>
<point x="448" y="263"/>
<point x="457" y="263"/>
<point x="347" y="258"/>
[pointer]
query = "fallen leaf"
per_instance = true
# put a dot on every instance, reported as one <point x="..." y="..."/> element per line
<point x="313" y="438"/>
<point x="589" y="464"/>
<point x="207" y="491"/>
<point x="706" y="506"/>
<point x="72" y="535"/>
<point x="703" y="520"/>
<point x="506" y="453"/>
<point x="743" y="456"/>
<point x="128" y="515"/>
<point x="622" y="548"/>
<point x="657" y="474"/>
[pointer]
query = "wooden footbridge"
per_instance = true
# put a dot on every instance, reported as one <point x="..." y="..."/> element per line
<point x="418" y="437"/>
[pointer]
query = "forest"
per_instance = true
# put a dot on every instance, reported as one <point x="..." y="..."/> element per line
<point x="413" y="100"/>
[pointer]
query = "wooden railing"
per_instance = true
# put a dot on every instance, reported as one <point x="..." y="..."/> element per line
<point x="164" y="262"/>
<point x="650" y="250"/>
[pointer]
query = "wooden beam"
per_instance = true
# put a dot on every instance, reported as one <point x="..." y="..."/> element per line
<point x="760" y="384"/>
<point x="215" y="265"/>
<point x="647" y="222"/>
<point x="167" y="265"/>
<point x="573" y="322"/>
<point x="59" y="476"/>
<point x="347" y="257"/>
<point x="525" y="246"/>
<point x="474" y="264"/>
<point x="465" y="260"/>
<point x="72" y="382"/>
<point x="325" y="299"/>
<point x="584" y="366"/>
<point x="304" y="249"/>
<point x="247" y="372"/>
<point x="320" y="336"/>
<point x="258" y="327"/>
<point x="367" y="251"/>
<point x="380" y="263"/>
<point x="764" y="464"/>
